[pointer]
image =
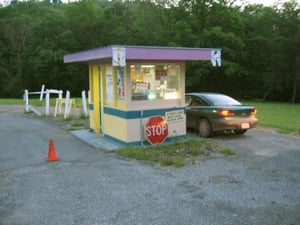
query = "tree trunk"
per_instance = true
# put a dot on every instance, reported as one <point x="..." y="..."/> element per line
<point x="266" y="94"/>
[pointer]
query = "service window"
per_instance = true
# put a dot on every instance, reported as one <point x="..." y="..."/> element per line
<point x="155" y="81"/>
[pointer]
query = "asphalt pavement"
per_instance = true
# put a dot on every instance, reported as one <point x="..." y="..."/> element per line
<point x="260" y="185"/>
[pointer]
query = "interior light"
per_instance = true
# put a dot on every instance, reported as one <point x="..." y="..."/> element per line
<point x="171" y="95"/>
<point x="151" y="96"/>
<point x="147" y="66"/>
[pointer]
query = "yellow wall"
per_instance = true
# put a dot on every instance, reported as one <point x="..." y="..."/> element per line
<point x="94" y="91"/>
<point x="115" y="127"/>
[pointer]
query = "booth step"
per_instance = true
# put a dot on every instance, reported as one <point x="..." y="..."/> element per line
<point x="96" y="140"/>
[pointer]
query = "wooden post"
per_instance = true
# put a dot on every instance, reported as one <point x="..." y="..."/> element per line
<point x="60" y="93"/>
<point x="84" y="103"/>
<point x="42" y="92"/>
<point x="67" y="104"/>
<point x="26" y="100"/>
<point x="47" y="103"/>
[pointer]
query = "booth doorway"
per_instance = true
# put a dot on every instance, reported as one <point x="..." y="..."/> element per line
<point x="100" y="75"/>
<point x="94" y="105"/>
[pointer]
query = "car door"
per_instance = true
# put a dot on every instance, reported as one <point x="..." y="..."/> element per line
<point x="194" y="109"/>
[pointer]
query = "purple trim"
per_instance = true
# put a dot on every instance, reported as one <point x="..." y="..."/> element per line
<point x="168" y="54"/>
<point x="89" y="55"/>
<point x="142" y="53"/>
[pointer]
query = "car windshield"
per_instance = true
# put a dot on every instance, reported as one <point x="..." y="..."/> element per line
<point x="222" y="100"/>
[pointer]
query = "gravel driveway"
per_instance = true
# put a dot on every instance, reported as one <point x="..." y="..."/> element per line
<point x="261" y="185"/>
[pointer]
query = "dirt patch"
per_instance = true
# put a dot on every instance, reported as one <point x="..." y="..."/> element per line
<point x="71" y="123"/>
<point x="75" y="121"/>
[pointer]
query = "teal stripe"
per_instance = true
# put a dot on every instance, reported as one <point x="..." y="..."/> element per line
<point x="118" y="141"/>
<point x="91" y="106"/>
<point x="138" y="114"/>
<point x="122" y="114"/>
<point x="168" y="140"/>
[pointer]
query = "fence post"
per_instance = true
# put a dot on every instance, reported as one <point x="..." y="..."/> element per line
<point x="67" y="104"/>
<point x="84" y="103"/>
<point x="60" y="93"/>
<point x="26" y="100"/>
<point x="47" y="103"/>
<point x="42" y="92"/>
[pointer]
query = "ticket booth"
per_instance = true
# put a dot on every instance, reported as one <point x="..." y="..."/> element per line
<point x="137" y="92"/>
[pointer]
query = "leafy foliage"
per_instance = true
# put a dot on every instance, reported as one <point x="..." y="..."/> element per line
<point x="260" y="45"/>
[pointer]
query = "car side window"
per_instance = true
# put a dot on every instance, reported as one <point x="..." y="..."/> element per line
<point x="201" y="103"/>
<point x="188" y="100"/>
<point x="194" y="101"/>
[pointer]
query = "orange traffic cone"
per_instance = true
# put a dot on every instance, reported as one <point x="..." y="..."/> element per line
<point x="52" y="153"/>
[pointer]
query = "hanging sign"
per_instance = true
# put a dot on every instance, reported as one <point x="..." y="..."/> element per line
<point x="216" y="57"/>
<point x="118" y="56"/>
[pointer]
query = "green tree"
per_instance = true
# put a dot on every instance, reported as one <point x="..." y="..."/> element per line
<point x="15" y="35"/>
<point x="260" y="39"/>
<point x="260" y="45"/>
<point x="213" y="24"/>
<point x="85" y="20"/>
<point x="288" y="48"/>
<point x="271" y="47"/>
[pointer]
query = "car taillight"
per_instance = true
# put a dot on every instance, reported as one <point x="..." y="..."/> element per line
<point x="225" y="113"/>
<point x="253" y="111"/>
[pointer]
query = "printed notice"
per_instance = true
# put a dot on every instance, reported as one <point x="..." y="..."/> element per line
<point x="175" y="116"/>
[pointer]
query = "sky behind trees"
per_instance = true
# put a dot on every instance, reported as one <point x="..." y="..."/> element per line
<point x="4" y="3"/>
<point x="265" y="2"/>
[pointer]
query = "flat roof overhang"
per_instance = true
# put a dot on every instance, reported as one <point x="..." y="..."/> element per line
<point x="141" y="53"/>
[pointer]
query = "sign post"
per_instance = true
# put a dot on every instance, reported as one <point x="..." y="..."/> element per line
<point x="156" y="130"/>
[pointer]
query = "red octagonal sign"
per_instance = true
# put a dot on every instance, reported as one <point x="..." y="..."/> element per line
<point x="156" y="130"/>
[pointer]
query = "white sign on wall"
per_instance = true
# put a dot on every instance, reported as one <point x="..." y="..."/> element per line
<point x="109" y="85"/>
<point x="174" y="116"/>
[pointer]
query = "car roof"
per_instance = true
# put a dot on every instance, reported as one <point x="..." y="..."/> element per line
<point x="203" y="93"/>
<point x="206" y="96"/>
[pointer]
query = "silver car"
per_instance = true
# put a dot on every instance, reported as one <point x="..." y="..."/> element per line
<point x="211" y="112"/>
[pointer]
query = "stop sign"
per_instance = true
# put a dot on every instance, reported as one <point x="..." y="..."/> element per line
<point x="156" y="129"/>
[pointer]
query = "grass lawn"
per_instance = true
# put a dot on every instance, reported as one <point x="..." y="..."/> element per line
<point x="33" y="101"/>
<point x="284" y="117"/>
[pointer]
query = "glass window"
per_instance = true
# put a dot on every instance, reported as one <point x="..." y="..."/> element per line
<point x="156" y="81"/>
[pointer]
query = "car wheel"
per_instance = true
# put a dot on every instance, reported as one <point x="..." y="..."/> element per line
<point x="240" y="131"/>
<point x="204" y="128"/>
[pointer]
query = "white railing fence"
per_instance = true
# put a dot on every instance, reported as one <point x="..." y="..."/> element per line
<point x="60" y="101"/>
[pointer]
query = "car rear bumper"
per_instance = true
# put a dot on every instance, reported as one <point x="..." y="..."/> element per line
<point x="234" y="123"/>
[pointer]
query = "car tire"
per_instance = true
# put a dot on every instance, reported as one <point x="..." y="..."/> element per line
<point x="240" y="131"/>
<point x="204" y="128"/>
